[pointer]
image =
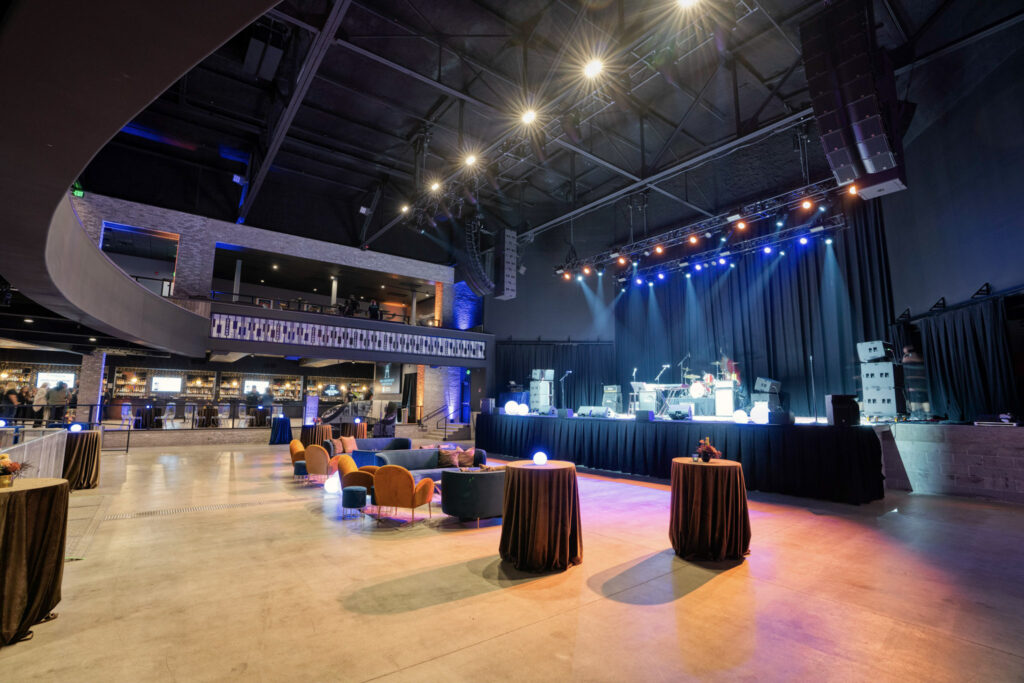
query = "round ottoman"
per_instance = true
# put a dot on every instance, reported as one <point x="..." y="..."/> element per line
<point x="352" y="498"/>
<point x="299" y="469"/>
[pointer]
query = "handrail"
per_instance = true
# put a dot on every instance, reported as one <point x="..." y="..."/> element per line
<point x="300" y="304"/>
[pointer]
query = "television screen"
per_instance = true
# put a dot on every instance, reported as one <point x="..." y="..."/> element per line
<point x="166" y="385"/>
<point x="257" y="385"/>
<point x="52" y="378"/>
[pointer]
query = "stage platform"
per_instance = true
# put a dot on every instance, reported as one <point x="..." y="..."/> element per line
<point x="841" y="464"/>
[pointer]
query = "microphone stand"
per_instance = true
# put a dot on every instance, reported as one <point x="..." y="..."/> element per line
<point x="561" y="387"/>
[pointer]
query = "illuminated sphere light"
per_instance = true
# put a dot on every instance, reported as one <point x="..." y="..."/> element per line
<point x="767" y="250"/>
<point x="529" y="116"/>
<point x="524" y="409"/>
<point x="803" y="240"/>
<point x="511" y="408"/>
<point x="853" y="189"/>
<point x="740" y="417"/>
<point x="759" y="413"/>
<point x="806" y="204"/>
<point x="540" y="458"/>
<point x="332" y="485"/>
<point x="75" y="428"/>
<point x="659" y="249"/>
<point x="661" y="276"/>
<point x="693" y="239"/>
<point x="593" y="68"/>
<point x="741" y="225"/>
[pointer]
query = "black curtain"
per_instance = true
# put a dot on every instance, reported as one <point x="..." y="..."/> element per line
<point x="770" y="312"/>
<point x="592" y="365"/>
<point x="970" y="369"/>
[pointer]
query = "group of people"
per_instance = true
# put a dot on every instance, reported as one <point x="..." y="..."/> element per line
<point x="351" y="307"/>
<point x="43" y="403"/>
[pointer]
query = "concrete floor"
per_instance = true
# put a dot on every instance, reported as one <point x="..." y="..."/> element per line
<point x="210" y="564"/>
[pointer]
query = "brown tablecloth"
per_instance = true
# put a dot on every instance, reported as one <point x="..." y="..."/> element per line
<point x="33" y="526"/>
<point x="540" y="529"/>
<point x="353" y="429"/>
<point x="709" y="518"/>
<point x="315" y="434"/>
<point x="82" y="460"/>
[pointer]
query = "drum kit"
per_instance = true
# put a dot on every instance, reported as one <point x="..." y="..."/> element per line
<point x="659" y="397"/>
<point x="703" y="385"/>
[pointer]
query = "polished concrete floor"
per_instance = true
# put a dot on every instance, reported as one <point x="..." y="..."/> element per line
<point x="211" y="564"/>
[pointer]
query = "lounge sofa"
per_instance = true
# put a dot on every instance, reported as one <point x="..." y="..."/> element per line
<point x="422" y="462"/>
<point x="366" y="449"/>
<point x="473" y="495"/>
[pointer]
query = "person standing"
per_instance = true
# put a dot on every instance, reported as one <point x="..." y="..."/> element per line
<point x="10" y="401"/>
<point x="374" y="310"/>
<point x="39" y="404"/>
<point x="58" y="399"/>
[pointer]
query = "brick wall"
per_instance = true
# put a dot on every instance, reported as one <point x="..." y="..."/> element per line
<point x="962" y="460"/>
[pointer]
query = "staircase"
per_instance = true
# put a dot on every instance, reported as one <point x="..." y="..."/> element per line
<point x="456" y="432"/>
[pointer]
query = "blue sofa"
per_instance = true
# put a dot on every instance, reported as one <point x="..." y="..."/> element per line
<point x="422" y="462"/>
<point x="366" y="449"/>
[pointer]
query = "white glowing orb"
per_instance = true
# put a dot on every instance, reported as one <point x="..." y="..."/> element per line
<point x="740" y="417"/>
<point x="759" y="413"/>
<point x="76" y="428"/>
<point x="332" y="485"/>
<point x="511" y="408"/>
<point x="540" y="458"/>
<point x="524" y="409"/>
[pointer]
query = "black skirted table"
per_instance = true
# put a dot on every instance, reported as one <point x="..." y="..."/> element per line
<point x="314" y="434"/>
<point x="709" y="518"/>
<point x="33" y="526"/>
<point x="540" y="528"/>
<point x="280" y="430"/>
<point x="82" y="459"/>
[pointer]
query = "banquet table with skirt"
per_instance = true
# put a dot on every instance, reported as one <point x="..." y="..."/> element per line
<point x="540" y="528"/>
<point x="33" y="526"/>
<point x="708" y="519"/>
<point x="280" y="430"/>
<point x="315" y="434"/>
<point x="82" y="459"/>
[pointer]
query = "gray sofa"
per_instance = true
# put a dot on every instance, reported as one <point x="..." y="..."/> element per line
<point x="422" y="462"/>
<point x="366" y="449"/>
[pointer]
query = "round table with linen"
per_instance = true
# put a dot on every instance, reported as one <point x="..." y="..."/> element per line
<point x="540" y="528"/>
<point x="82" y="459"/>
<point x="709" y="518"/>
<point x="280" y="430"/>
<point x="315" y="435"/>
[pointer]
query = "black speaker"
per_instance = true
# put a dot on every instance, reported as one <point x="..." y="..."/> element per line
<point x="565" y="412"/>
<point x="644" y="416"/>
<point x="842" y="410"/>
<point x="781" y="417"/>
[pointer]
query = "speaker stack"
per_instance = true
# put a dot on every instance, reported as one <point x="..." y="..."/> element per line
<point x="881" y="381"/>
<point x="853" y="95"/>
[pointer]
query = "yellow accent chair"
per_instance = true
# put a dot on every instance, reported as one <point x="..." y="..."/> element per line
<point x="394" y="486"/>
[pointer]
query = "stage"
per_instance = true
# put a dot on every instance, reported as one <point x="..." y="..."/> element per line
<point x="841" y="464"/>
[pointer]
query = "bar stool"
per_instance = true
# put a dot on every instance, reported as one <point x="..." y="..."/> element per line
<point x="353" y="498"/>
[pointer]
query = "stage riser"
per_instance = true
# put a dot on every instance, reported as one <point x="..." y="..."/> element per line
<point x="831" y="463"/>
<point x="960" y="460"/>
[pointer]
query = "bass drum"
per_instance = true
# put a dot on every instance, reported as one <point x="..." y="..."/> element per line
<point x="698" y="390"/>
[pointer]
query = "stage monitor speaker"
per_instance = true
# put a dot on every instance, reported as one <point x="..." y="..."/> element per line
<point x="647" y="400"/>
<point x="678" y="409"/>
<point x="763" y="385"/>
<point x="771" y="399"/>
<point x="842" y="410"/>
<point x="549" y="375"/>
<point x="884" y="401"/>
<point x="487" y="406"/>
<point x="869" y="352"/>
<point x="593" y="411"/>
<point x="644" y="416"/>
<point x="881" y="376"/>
<point x="565" y="412"/>
<point x="781" y="417"/>
<point x="536" y="374"/>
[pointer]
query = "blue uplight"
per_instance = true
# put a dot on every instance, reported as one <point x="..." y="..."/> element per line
<point x="721" y="261"/>
<point x="639" y="281"/>
<point x="767" y="250"/>
<point x="698" y="267"/>
<point x="661" y="276"/>
<point x="803" y="240"/>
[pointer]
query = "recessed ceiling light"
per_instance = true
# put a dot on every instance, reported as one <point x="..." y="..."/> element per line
<point x="92" y="339"/>
<point x="274" y="267"/>
<point x="29" y="320"/>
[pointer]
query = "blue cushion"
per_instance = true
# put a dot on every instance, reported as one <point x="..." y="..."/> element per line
<point x="299" y="468"/>
<point x="353" y="497"/>
<point x="384" y="444"/>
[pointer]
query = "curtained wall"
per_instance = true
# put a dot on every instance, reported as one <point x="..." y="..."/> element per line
<point x="593" y="366"/>
<point x="770" y="313"/>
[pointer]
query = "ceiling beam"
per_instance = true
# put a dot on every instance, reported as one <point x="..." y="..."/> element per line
<point x="317" y="51"/>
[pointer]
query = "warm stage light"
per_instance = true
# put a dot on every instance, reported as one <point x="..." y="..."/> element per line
<point x="622" y="260"/>
<point x="693" y="239"/>
<point x="567" y="276"/>
<point x="405" y="208"/>
<point x="529" y="116"/>
<point x="434" y="187"/>
<point x="470" y="160"/>
<point x="741" y="226"/>
<point x="853" y="189"/>
<point x="659" y="249"/>
<point x="586" y="270"/>
<point x="806" y="204"/>
<point x="593" y="68"/>
<point x="687" y="4"/>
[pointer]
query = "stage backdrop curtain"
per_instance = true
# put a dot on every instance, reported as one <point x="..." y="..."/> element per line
<point x="771" y="313"/>
<point x="970" y="369"/>
<point x="592" y="365"/>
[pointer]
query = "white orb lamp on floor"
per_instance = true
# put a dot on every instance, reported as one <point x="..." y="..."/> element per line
<point x="333" y="484"/>
<point x="759" y="413"/>
<point x="740" y="417"/>
<point x="511" y="408"/>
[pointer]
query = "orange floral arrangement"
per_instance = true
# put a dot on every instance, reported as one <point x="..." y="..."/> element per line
<point x="706" y="451"/>
<point x="8" y="466"/>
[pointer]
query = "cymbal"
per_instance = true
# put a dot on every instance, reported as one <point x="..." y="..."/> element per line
<point x="691" y="376"/>
<point x="715" y="362"/>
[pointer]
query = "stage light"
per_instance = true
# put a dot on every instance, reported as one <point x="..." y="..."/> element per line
<point x="853" y="189"/>
<point x="806" y="204"/>
<point x="687" y="4"/>
<point x="782" y="253"/>
<point x="600" y="272"/>
<point x="732" y="265"/>
<point x="3" y="423"/>
<point x="639" y="281"/>
<point x="693" y="239"/>
<point x="540" y="458"/>
<point x="759" y="413"/>
<point x="661" y="276"/>
<point x="75" y="428"/>
<point x="741" y="226"/>
<point x="767" y="250"/>
<point x="636" y="263"/>
<point x="333" y="485"/>
<point x="659" y="249"/>
<point x="586" y="270"/>
<point x="828" y="241"/>
<point x="721" y="261"/>
<point x="29" y="320"/>
<point x="803" y="240"/>
<point x="529" y="116"/>
<point x="821" y="209"/>
<point x="470" y="159"/>
<point x="622" y="260"/>
<point x="722" y="238"/>
<point x="511" y="408"/>
<point x="92" y="339"/>
<point x="740" y="417"/>
<point x="435" y="186"/>
<point x="697" y="267"/>
<point x="359" y="420"/>
<point x="593" y="68"/>
<point x="273" y="267"/>
<point x="405" y="208"/>
<point x="579" y="278"/>
<point x="778" y="224"/>
<point x="567" y="275"/>
<point x="687" y="276"/>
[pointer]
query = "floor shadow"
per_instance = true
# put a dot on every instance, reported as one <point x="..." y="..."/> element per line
<point x="437" y="586"/>
<point x="656" y="579"/>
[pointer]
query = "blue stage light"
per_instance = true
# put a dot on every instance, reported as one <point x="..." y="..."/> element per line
<point x="697" y="267"/>
<point x="579" y="278"/>
<point x="803" y="240"/>
<point x="821" y="209"/>
<point x="600" y="272"/>
<point x="778" y="224"/>
<point x="359" y="420"/>
<point x="636" y="263"/>
<point x="767" y="250"/>
<point x="687" y="276"/>
<point x="650" y="284"/>
<point x="639" y="281"/>
<point x="782" y="253"/>
<point x="661" y="276"/>
<point x="828" y="241"/>
<point x="721" y="261"/>
<point x="3" y="423"/>
<point x="75" y="428"/>
<point x="732" y="265"/>
<point x="721" y="239"/>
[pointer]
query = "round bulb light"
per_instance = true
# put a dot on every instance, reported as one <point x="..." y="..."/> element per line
<point x="740" y="417"/>
<point x="540" y="458"/>
<point x="529" y="116"/>
<point x="333" y="485"/>
<point x="435" y="187"/>
<point x="470" y="160"/>
<point x="511" y="408"/>
<point x="593" y="68"/>
<point x="75" y="428"/>
<point x="759" y="413"/>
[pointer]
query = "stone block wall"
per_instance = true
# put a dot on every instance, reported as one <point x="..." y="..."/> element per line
<point x="962" y="460"/>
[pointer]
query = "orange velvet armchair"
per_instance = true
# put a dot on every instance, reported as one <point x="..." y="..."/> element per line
<point x="317" y="462"/>
<point x="393" y="486"/>
<point x="297" y="450"/>
<point x="350" y="474"/>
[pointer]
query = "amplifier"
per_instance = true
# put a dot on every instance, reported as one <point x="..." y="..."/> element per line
<point x="644" y="416"/>
<point x="881" y="375"/>
<point x="884" y="402"/>
<point x="874" y="351"/>
<point x="765" y="385"/>
<point x="647" y="400"/>
<point x="593" y="411"/>
<point x="842" y="410"/>
<point x="771" y="399"/>
<point x="612" y="398"/>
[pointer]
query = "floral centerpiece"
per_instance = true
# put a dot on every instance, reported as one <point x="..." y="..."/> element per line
<point x="706" y="451"/>
<point x="9" y="470"/>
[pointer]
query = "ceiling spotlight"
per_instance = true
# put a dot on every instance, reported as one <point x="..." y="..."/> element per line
<point x="722" y="238"/>
<point x="828" y="241"/>
<point x="732" y="265"/>
<point x="693" y="239"/>
<point x="382" y="286"/>
<point x="721" y="261"/>
<point x="314" y="289"/>
<point x="659" y="249"/>
<point x="782" y="253"/>
<point x="636" y="263"/>
<point x="741" y="226"/>
<point x="529" y="116"/>
<point x="600" y="272"/>
<point x="586" y="270"/>
<point x="92" y="339"/>
<point x="622" y="260"/>
<point x="29" y="320"/>
<point x="821" y="208"/>
<point x="803" y="240"/>
<point x="778" y="224"/>
<point x="262" y="281"/>
<point x="593" y="68"/>
<point x="405" y="208"/>
<point x="697" y="267"/>
<point x="650" y="284"/>
<point x="806" y="204"/>
<point x="853" y="189"/>
<point x="273" y="267"/>
<point x="470" y="160"/>
<point x="707" y="235"/>
<point x="687" y="276"/>
<point x="435" y="186"/>
<point x="579" y="278"/>
<point x="687" y="4"/>
<point x="767" y="250"/>
<point x="639" y="281"/>
<point x="566" y="276"/>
